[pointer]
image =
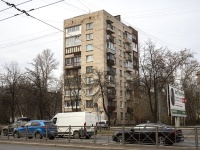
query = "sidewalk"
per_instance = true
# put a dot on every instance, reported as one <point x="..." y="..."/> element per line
<point x="91" y="146"/>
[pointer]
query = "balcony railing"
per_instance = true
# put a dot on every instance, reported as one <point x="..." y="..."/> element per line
<point x="109" y="29"/>
<point x="112" y="51"/>
<point x="112" y="73"/>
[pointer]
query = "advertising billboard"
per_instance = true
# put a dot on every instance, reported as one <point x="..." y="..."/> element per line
<point x="176" y="102"/>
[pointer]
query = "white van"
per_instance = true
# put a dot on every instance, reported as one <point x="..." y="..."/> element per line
<point x="75" y="124"/>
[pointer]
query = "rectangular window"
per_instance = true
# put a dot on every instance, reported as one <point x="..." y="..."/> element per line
<point x="89" y="36"/>
<point x="120" y="52"/>
<point x="121" y="93"/>
<point x="120" y="83"/>
<point x="89" y="104"/>
<point x="88" y="92"/>
<point x="89" y="58"/>
<point x="89" y="26"/>
<point x="89" y="47"/>
<point x="121" y="115"/>
<point x="89" y="69"/>
<point x="121" y="104"/>
<point x="120" y="63"/>
<point x="89" y="80"/>
<point x="73" y="29"/>
<point x="120" y="72"/>
<point x="120" y="43"/>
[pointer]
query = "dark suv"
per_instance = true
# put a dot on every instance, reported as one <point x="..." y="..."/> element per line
<point x="20" y="122"/>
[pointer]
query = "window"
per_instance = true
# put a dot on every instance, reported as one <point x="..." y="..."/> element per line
<point x="89" y="26"/>
<point x="73" y="29"/>
<point x="89" y="36"/>
<point x="89" y="80"/>
<point x="119" y="33"/>
<point x="120" y="83"/>
<point x="120" y="62"/>
<point x="73" y="41"/>
<point x="89" y="58"/>
<point x="121" y="104"/>
<point x="121" y="93"/>
<point x="120" y="42"/>
<point x="120" y="72"/>
<point x="89" y="104"/>
<point x="121" y="115"/>
<point x="70" y="103"/>
<point x="88" y="92"/>
<point x="120" y="52"/>
<point x="89" y="47"/>
<point x="89" y="69"/>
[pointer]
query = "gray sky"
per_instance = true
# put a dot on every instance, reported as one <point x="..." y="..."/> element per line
<point x="170" y="23"/>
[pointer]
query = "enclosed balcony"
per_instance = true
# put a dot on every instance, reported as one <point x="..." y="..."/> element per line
<point x="110" y="72"/>
<point x="128" y="58"/>
<point x="111" y="108"/>
<point x="110" y="29"/>
<point x="129" y="110"/>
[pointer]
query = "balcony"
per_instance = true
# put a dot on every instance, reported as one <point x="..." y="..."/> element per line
<point x="112" y="73"/>
<point x="111" y="96"/>
<point x="129" y="69"/>
<point x="112" y="51"/>
<point x="111" y="108"/>
<point x="128" y="50"/>
<point x="110" y="62"/>
<point x="127" y="40"/>
<point x="128" y="88"/>
<point x="73" y="65"/>
<point x="110" y="29"/>
<point x="129" y="110"/>
<point x="128" y="58"/>
<point x="128" y="78"/>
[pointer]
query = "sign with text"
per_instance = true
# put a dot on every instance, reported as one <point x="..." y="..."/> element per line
<point x="176" y="102"/>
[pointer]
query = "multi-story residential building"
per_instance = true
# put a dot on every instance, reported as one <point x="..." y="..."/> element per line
<point x="101" y="41"/>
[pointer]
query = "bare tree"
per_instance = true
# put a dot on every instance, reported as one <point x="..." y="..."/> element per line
<point x="102" y="89"/>
<point x="11" y="77"/>
<point x="41" y="78"/>
<point x="158" y="67"/>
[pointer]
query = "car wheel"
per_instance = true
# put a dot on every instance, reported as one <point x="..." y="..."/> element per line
<point x="119" y="138"/>
<point x="161" y="140"/>
<point x="76" y="135"/>
<point x="5" y="132"/>
<point x="38" y="135"/>
<point x="52" y="137"/>
<point x="88" y="136"/>
<point x="16" y="135"/>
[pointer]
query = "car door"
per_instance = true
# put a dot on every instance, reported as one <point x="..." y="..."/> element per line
<point x="32" y="128"/>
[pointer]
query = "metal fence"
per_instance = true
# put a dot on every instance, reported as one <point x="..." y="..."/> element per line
<point x="121" y="135"/>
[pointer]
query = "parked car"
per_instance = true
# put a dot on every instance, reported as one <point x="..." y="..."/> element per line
<point x="37" y="129"/>
<point x="103" y="124"/>
<point x="146" y="133"/>
<point x="20" y="122"/>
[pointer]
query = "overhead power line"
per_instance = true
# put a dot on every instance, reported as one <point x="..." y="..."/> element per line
<point x="15" y="5"/>
<point x="23" y="11"/>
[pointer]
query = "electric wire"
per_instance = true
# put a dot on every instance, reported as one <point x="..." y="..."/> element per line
<point x="25" y="12"/>
<point x="15" y="5"/>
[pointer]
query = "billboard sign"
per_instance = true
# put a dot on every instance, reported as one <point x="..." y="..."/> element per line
<point x="176" y="102"/>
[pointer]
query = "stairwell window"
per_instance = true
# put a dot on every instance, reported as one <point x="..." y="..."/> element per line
<point x="89" y="104"/>
<point x="89" y="58"/>
<point x="89" y="36"/>
<point x="89" y="26"/>
<point x="89" y="47"/>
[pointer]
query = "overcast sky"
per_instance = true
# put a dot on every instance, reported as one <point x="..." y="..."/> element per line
<point x="169" y="23"/>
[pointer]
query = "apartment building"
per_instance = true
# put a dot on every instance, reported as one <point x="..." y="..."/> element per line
<point x="100" y="41"/>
